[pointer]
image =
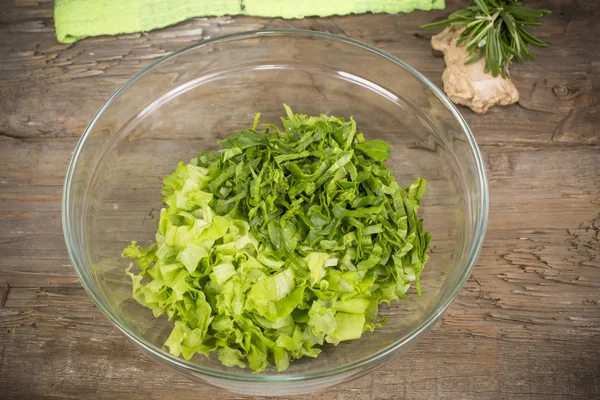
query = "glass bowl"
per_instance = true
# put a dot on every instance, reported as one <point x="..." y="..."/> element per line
<point x="188" y="100"/>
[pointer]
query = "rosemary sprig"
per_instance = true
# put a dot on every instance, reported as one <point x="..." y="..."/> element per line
<point x="495" y="29"/>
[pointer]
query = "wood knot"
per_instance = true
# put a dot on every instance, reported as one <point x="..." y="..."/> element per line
<point x="561" y="91"/>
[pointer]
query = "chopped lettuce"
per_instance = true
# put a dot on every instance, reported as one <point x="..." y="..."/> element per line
<point x="280" y="242"/>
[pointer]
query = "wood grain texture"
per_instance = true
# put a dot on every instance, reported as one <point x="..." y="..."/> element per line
<point x="525" y="326"/>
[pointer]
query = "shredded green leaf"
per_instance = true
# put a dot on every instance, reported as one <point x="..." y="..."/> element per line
<point x="280" y="242"/>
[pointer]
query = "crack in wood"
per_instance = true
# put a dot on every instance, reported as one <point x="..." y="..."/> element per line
<point x="4" y="295"/>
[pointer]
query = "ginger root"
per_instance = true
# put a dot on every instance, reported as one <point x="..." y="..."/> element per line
<point x="468" y="84"/>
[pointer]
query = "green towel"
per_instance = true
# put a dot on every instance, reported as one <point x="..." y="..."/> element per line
<point x="77" y="19"/>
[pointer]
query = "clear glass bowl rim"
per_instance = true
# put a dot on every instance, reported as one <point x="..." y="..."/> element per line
<point x="473" y="251"/>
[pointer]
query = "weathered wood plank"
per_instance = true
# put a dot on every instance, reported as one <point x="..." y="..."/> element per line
<point x="525" y="326"/>
<point x="39" y="75"/>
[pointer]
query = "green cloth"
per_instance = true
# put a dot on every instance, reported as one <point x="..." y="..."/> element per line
<point x="77" y="19"/>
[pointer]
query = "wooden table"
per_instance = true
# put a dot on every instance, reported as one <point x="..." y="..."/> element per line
<point x="525" y="326"/>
